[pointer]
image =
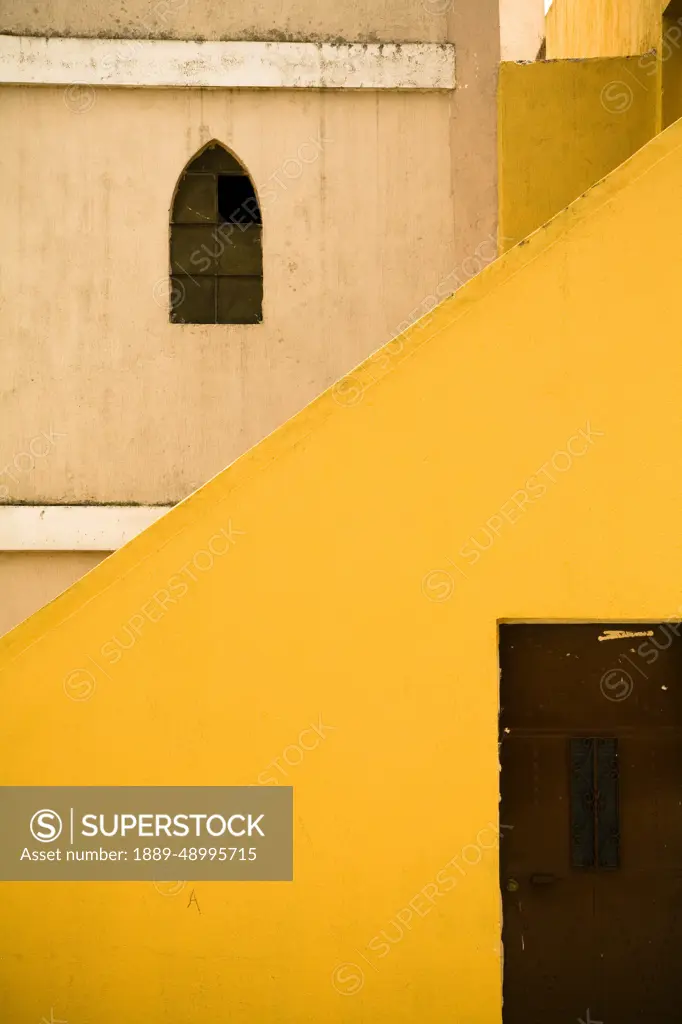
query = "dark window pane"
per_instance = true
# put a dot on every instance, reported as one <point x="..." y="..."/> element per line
<point x="582" y="803"/>
<point x="237" y="201"/>
<point x="216" y="255"/>
<point x="608" y="823"/>
<point x="195" y="200"/>
<point x="193" y="301"/>
<point x="239" y="251"/>
<point x="193" y="250"/>
<point x="217" y="160"/>
<point x="240" y="300"/>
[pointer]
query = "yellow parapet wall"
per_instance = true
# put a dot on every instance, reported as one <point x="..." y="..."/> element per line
<point x="602" y="28"/>
<point x="324" y="614"/>
<point x="670" y="52"/>
<point x="562" y="126"/>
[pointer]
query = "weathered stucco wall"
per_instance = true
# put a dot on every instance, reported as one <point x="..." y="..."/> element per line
<point x="522" y="28"/>
<point x="488" y="465"/>
<point x="563" y="125"/>
<point x="376" y="207"/>
<point x="371" y="203"/>
<point x="385" y="20"/>
<point x="28" y="580"/>
<point x="358" y="230"/>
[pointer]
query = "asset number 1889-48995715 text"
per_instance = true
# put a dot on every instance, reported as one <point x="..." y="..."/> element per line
<point x="195" y="853"/>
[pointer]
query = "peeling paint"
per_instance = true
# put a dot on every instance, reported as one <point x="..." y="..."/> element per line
<point x="156" y="63"/>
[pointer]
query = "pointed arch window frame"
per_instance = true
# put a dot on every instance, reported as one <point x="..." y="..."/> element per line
<point x="215" y="242"/>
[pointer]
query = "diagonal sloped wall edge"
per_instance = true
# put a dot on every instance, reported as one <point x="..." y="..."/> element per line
<point x="324" y="614"/>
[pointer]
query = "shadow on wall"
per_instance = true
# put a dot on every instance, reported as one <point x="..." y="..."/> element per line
<point x="564" y="125"/>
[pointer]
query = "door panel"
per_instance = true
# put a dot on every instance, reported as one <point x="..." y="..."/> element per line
<point x="591" y="774"/>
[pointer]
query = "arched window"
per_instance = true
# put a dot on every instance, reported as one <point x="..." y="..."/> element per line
<point x="216" y="256"/>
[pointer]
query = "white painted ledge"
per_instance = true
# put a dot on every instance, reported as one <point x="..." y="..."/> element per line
<point x="73" y="527"/>
<point x="170" y="63"/>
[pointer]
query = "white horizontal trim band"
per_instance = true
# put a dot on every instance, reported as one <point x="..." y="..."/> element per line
<point x="170" y="63"/>
<point x="74" y="527"/>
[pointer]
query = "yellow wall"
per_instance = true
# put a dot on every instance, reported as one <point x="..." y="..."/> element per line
<point x="562" y="126"/>
<point x="602" y="28"/>
<point x="671" y="63"/>
<point x="349" y="593"/>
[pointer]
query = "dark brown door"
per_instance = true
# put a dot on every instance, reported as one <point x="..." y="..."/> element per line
<point x="591" y="809"/>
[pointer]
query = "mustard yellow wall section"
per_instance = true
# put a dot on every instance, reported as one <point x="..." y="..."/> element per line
<point x="671" y="63"/>
<point x="562" y="126"/>
<point x="516" y="455"/>
<point x="602" y="28"/>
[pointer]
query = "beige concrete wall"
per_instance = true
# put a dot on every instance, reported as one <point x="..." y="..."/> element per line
<point x="394" y="194"/>
<point x="29" y="580"/>
<point x="475" y="31"/>
<point x="395" y="204"/>
<point x="385" y="20"/>
<point x="375" y="206"/>
<point x="522" y="28"/>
